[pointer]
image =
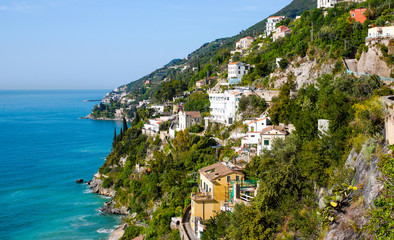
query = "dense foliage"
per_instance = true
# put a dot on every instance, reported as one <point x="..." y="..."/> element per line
<point x="382" y="221"/>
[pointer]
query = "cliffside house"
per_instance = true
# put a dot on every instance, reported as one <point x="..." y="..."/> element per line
<point x="153" y="125"/>
<point x="281" y="32"/>
<point x="381" y="32"/>
<point x="188" y="119"/>
<point x="236" y="71"/>
<point x="223" y="106"/>
<point x="119" y="113"/>
<point x="267" y="136"/>
<point x="147" y="82"/>
<point x="158" y="108"/>
<point x="388" y="102"/>
<point x="143" y="102"/>
<point x="358" y="15"/>
<point x="201" y="83"/>
<point x="244" y="43"/>
<point x="326" y="3"/>
<point x="214" y="189"/>
<point x="253" y="134"/>
<point x="271" y="23"/>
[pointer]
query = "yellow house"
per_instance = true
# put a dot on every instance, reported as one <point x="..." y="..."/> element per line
<point x="215" y="182"/>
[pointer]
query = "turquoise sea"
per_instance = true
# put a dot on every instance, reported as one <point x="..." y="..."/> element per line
<point x="44" y="148"/>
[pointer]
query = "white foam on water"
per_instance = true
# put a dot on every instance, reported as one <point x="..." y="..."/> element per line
<point x="103" y="230"/>
<point x="88" y="190"/>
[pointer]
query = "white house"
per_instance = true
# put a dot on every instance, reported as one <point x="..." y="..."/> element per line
<point x="271" y="23"/>
<point x="223" y="106"/>
<point x="158" y="108"/>
<point x="244" y="43"/>
<point x="326" y="3"/>
<point x="254" y="131"/>
<point x="381" y="32"/>
<point x="188" y="119"/>
<point x="153" y="125"/>
<point x="267" y="136"/>
<point x="143" y="102"/>
<point x="237" y="70"/>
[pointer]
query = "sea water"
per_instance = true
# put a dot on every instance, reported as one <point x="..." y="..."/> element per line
<point x="44" y="148"/>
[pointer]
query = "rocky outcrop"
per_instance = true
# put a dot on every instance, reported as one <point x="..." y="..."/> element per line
<point x="118" y="232"/>
<point x="109" y="207"/>
<point x="79" y="180"/>
<point x="96" y="184"/>
<point x="305" y="70"/>
<point x="103" y="118"/>
<point x="349" y="224"/>
<point x="372" y="61"/>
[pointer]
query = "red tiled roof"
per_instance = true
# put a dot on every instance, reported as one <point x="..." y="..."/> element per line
<point x="277" y="128"/>
<point x="194" y="114"/>
<point x="275" y="17"/>
<point x="217" y="170"/>
<point x="258" y="120"/>
<point x="233" y="63"/>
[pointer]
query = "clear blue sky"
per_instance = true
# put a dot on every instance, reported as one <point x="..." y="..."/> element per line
<point x="102" y="44"/>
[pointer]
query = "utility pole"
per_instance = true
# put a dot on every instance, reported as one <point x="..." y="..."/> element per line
<point x="312" y="32"/>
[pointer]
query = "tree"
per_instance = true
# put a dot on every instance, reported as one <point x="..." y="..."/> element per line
<point x="125" y="127"/>
<point x="114" y="140"/>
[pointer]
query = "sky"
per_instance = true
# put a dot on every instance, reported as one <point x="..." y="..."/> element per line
<point x="103" y="44"/>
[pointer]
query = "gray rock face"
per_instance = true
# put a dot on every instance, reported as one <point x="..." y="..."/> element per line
<point x="96" y="184"/>
<point x="349" y="223"/>
<point x="109" y="207"/>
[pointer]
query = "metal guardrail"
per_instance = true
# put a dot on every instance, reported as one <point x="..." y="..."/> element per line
<point x="368" y="75"/>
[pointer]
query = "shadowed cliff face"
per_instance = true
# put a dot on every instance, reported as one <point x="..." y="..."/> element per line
<point x="350" y="223"/>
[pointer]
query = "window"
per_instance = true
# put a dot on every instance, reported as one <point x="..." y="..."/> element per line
<point x="252" y="136"/>
<point x="209" y="190"/>
<point x="353" y="15"/>
<point x="228" y="178"/>
<point x="239" y="72"/>
<point x="266" y="142"/>
<point x="237" y="178"/>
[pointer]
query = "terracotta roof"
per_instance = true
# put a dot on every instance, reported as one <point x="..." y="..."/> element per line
<point x="275" y="17"/>
<point x="246" y="37"/>
<point x="194" y="114"/>
<point x="233" y="63"/>
<point x="234" y="93"/>
<point x="217" y="170"/>
<point x="282" y="28"/>
<point x="277" y="128"/>
<point x="258" y="120"/>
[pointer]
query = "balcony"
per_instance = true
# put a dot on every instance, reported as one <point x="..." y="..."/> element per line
<point x="202" y="196"/>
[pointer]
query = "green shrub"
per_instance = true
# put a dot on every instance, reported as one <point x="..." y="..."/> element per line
<point x="108" y="182"/>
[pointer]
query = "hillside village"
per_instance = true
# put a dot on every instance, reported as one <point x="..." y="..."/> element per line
<point x="235" y="112"/>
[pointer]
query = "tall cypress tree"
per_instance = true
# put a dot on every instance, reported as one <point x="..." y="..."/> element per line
<point x="125" y="127"/>
<point x="114" y="141"/>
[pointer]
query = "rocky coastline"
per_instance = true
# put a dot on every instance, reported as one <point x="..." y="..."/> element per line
<point x="101" y="118"/>
<point x="96" y="184"/>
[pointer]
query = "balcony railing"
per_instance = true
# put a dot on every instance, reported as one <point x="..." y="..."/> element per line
<point x="202" y="196"/>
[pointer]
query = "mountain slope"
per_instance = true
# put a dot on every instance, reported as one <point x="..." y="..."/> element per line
<point x="208" y="51"/>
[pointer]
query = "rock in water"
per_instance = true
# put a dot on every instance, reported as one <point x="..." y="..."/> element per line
<point x="79" y="180"/>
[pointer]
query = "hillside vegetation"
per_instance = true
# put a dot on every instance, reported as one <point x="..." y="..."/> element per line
<point x="304" y="182"/>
